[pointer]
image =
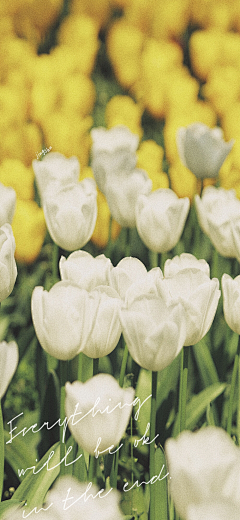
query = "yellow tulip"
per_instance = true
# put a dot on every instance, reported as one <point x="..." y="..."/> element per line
<point x="122" y="110"/>
<point x="20" y="177"/>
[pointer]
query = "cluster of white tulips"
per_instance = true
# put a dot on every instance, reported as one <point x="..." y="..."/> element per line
<point x="160" y="313"/>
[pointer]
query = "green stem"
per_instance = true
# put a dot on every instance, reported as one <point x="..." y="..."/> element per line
<point x="238" y="407"/>
<point x="80" y="366"/>
<point x="233" y="385"/>
<point x="95" y="366"/>
<point x="1" y="452"/>
<point x="164" y="257"/>
<point x="55" y="260"/>
<point x="63" y="380"/>
<point x="183" y="388"/>
<point x="92" y="474"/>
<point x="152" y="445"/>
<point x="123" y="366"/>
<point x="153" y="259"/>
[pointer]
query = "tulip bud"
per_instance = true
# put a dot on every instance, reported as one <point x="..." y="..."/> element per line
<point x="85" y="270"/>
<point x="160" y="218"/>
<point x="218" y="212"/>
<point x="202" y="468"/>
<point x="71" y="213"/>
<point x="7" y="204"/>
<point x="8" y="364"/>
<point x="55" y="167"/>
<point x="231" y="301"/>
<point x="113" y="152"/>
<point x="197" y="294"/>
<point x="98" y="412"/>
<point x="202" y="149"/>
<point x="8" y="268"/>
<point x="122" y="192"/>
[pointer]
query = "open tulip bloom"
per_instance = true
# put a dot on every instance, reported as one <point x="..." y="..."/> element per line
<point x="202" y="149"/>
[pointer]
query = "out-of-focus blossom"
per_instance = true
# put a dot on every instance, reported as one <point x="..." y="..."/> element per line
<point x="111" y="406"/>
<point x="8" y="364"/>
<point x="122" y="191"/>
<point x="71" y="212"/>
<point x="122" y="110"/>
<point x="231" y="301"/>
<point x="202" y="150"/>
<point x="218" y="212"/>
<point x="222" y="88"/>
<point x="8" y="268"/>
<point x="99" y="11"/>
<point x="154" y="330"/>
<point x="29" y="229"/>
<point x="7" y="204"/>
<point x="160" y="218"/>
<point x="150" y="156"/>
<point x="85" y="270"/>
<point x="55" y="168"/>
<point x="113" y="152"/>
<point x="220" y="509"/>
<point x="196" y="292"/>
<point x="202" y="468"/>
<point x="21" y="178"/>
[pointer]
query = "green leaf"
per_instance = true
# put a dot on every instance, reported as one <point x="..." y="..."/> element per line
<point x="205" y="363"/>
<point x="9" y="504"/>
<point x="161" y="485"/>
<point x="18" y="455"/>
<point x="133" y="503"/>
<point x="198" y="405"/>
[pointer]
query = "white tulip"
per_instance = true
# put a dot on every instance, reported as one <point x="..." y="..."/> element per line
<point x="214" y="510"/>
<point x="202" y="149"/>
<point x="60" y="319"/>
<point x="98" y="412"/>
<point x="113" y="151"/>
<point x="71" y="212"/>
<point x="184" y="261"/>
<point x="231" y="301"/>
<point x="122" y="191"/>
<point x="160" y="219"/>
<point x="202" y="468"/>
<point x="218" y="214"/>
<point x="56" y="168"/>
<point x="7" y="204"/>
<point x="85" y="270"/>
<point x="8" y="364"/>
<point x="198" y="295"/>
<point x="126" y="272"/>
<point x="8" y="268"/>
<point x="154" y="331"/>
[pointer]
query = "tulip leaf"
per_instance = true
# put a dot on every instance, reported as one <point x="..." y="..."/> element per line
<point x="198" y="405"/>
<point x="133" y="502"/>
<point x="161" y="485"/>
<point x="205" y="364"/>
<point x="17" y="455"/>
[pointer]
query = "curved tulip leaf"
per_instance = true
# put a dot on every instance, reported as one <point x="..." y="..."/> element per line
<point x="17" y="455"/>
<point x="9" y="504"/>
<point x="161" y="485"/>
<point x="205" y="363"/>
<point x="198" y="405"/>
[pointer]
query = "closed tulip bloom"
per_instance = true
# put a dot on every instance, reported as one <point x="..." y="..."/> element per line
<point x="160" y="219"/>
<point x="199" y="297"/>
<point x="113" y="151"/>
<point x="8" y="268"/>
<point x="218" y="212"/>
<point x="231" y="301"/>
<point x="126" y="272"/>
<point x="102" y="308"/>
<point x="122" y="192"/>
<point x="8" y="364"/>
<point x="71" y="212"/>
<point x="7" y="204"/>
<point x="202" y="149"/>
<point x="85" y="270"/>
<point x="185" y="261"/>
<point x="154" y="331"/>
<point x="98" y="412"/>
<point x="55" y="167"/>
<point x="202" y="469"/>
<point x="60" y="319"/>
